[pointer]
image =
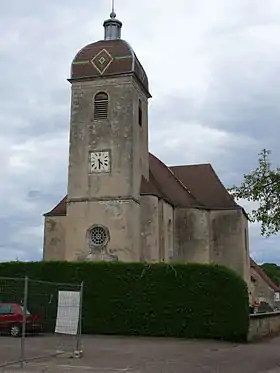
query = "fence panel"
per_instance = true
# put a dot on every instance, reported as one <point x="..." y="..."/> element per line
<point x="11" y="292"/>
<point x="50" y="324"/>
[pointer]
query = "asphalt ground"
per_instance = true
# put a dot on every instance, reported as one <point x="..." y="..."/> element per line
<point x="144" y="355"/>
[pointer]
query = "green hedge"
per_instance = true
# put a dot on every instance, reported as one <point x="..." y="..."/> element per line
<point x="192" y="300"/>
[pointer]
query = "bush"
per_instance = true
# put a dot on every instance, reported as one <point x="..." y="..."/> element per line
<point x="182" y="300"/>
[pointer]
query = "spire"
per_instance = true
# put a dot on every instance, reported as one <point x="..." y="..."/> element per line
<point x="113" y="14"/>
<point x="112" y="26"/>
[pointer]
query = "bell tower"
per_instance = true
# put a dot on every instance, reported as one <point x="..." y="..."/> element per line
<point x="108" y="152"/>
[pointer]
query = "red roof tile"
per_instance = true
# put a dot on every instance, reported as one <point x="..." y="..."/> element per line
<point x="205" y="186"/>
<point x="59" y="209"/>
<point x="169" y="186"/>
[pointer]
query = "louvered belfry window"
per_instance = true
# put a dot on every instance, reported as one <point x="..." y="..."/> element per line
<point x="101" y="106"/>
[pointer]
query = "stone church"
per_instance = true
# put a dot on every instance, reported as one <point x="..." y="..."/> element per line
<point x="123" y="203"/>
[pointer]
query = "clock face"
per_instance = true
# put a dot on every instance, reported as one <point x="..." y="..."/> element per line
<point x="99" y="162"/>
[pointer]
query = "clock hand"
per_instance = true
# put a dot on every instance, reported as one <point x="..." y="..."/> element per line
<point x="100" y="163"/>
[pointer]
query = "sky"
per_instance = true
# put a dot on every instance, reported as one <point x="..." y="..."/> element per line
<point x="214" y="73"/>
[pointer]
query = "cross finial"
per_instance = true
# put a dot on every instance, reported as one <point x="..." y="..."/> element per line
<point x="112" y="25"/>
<point x="113" y="13"/>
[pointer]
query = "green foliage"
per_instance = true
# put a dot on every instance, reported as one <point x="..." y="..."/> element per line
<point x="262" y="185"/>
<point x="273" y="271"/>
<point x="192" y="300"/>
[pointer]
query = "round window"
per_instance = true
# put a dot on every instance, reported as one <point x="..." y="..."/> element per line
<point x="98" y="236"/>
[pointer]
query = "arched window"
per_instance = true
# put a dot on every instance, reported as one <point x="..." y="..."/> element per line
<point x="101" y="106"/>
<point x="140" y="113"/>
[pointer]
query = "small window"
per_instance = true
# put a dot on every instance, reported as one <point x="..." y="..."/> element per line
<point x="101" y="106"/>
<point x="140" y="113"/>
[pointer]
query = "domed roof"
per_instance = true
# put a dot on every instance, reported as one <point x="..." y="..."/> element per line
<point x="108" y="58"/>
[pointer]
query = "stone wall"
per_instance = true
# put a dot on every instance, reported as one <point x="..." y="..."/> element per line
<point x="229" y="241"/>
<point x="191" y="240"/>
<point x="167" y="231"/>
<point x="264" y="325"/>
<point x="54" y="238"/>
<point x="120" y="217"/>
<point x="111" y="199"/>
<point x="149" y="229"/>
<point x="260" y="289"/>
<point x="156" y="229"/>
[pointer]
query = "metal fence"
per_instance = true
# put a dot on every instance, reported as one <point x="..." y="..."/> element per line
<point x="39" y="319"/>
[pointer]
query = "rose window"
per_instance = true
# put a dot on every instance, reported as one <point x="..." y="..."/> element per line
<point x="98" y="236"/>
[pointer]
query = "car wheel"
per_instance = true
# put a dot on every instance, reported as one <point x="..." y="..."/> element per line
<point x="15" y="331"/>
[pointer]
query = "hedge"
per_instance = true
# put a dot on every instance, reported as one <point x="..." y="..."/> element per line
<point x="180" y="300"/>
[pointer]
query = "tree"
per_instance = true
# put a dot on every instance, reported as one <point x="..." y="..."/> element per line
<point x="273" y="272"/>
<point x="262" y="185"/>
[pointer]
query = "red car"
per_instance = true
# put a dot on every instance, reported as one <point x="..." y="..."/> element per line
<point x="11" y="320"/>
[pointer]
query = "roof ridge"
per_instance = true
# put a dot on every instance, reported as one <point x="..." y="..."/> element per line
<point x="179" y="181"/>
<point x="219" y="180"/>
<point x="192" y="164"/>
<point x="211" y="168"/>
<point x="185" y="187"/>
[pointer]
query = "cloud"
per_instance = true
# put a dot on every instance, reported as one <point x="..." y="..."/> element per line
<point x="33" y="174"/>
<point x="214" y="76"/>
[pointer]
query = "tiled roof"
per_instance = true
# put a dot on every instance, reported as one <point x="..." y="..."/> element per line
<point x="205" y="186"/>
<point x="169" y="186"/>
<point x="195" y="186"/>
<point x="263" y="275"/>
<point x="59" y="209"/>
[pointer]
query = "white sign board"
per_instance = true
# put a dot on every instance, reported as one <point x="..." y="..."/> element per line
<point x="68" y="311"/>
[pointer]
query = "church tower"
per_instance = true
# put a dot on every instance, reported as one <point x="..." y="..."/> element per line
<point x="108" y="153"/>
<point x="123" y="203"/>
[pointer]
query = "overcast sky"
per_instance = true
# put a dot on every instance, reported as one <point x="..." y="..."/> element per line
<point x="214" y="71"/>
